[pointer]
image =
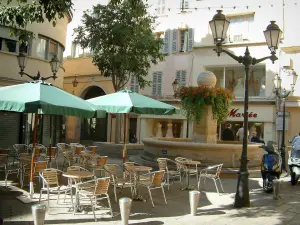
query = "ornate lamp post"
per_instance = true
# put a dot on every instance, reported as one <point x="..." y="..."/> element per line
<point x="282" y="95"/>
<point x="219" y="26"/>
<point x="22" y="61"/>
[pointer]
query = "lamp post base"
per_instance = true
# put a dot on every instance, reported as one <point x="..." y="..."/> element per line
<point x="242" y="197"/>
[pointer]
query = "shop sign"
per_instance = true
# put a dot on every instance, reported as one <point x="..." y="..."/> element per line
<point x="236" y="113"/>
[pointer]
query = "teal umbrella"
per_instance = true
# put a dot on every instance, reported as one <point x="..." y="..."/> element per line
<point x="126" y="101"/>
<point x="42" y="98"/>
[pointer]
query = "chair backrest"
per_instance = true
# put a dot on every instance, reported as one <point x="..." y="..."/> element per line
<point x="39" y="166"/>
<point x="53" y="152"/>
<point x="157" y="177"/>
<point x="68" y="155"/>
<point x="162" y="164"/>
<point x="3" y="160"/>
<point x="219" y="169"/>
<point x="4" y="151"/>
<point x="92" y="148"/>
<point x="20" y="148"/>
<point x="62" y="147"/>
<point x="74" y="144"/>
<point x="50" y="176"/>
<point x="111" y="170"/>
<point x="76" y="168"/>
<point x="101" y="186"/>
<point x="101" y="161"/>
<point x="180" y="163"/>
<point x="78" y="149"/>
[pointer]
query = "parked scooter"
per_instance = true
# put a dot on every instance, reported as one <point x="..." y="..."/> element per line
<point x="270" y="166"/>
<point x="294" y="160"/>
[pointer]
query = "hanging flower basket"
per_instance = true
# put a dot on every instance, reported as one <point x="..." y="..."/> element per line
<point x="194" y="100"/>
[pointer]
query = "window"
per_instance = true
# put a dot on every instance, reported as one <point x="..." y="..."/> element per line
<point x="184" y="4"/>
<point x="8" y="45"/>
<point x="181" y="77"/>
<point x="47" y="48"/>
<point x="240" y="26"/>
<point x="161" y="7"/>
<point x="182" y="40"/>
<point x="157" y="83"/>
<point x="233" y="79"/>
<point x="134" y="85"/>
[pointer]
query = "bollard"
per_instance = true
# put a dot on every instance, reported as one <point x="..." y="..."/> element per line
<point x="125" y="206"/>
<point x="276" y="189"/>
<point x="194" y="200"/>
<point x="38" y="214"/>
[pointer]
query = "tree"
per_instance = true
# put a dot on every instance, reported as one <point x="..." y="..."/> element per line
<point x="122" y="41"/>
<point x="19" y="13"/>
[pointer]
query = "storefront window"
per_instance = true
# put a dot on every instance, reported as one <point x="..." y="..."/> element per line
<point x="233" y="78"/>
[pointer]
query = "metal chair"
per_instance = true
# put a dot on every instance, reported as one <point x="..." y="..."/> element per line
<point x="7" y="167"/>
<point x="163" y="165"/>
<point x="53" y="155"/>
<point x="97" y="190"/>
<point x="51" y="184"/>
<point x="37" y="168"/>
<point x="111" y="171"/>
<point x="185" y="170"/>
<point x="155" y="182"/>
<point x="211" y="172"/>
<point x="101" y="161"/>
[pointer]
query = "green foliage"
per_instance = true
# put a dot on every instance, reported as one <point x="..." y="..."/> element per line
<point x="122" y="41"/>
<point x="194" y="99"/>
<point x="24" y="12"/>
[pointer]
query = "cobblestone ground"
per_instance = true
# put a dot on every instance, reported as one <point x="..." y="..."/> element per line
<point x="213" y="208"/>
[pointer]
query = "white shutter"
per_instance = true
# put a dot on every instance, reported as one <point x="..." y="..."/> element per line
<point x="159" y="83"/>
<point x="183" y="78"/>
<point x="190" y="40"/>
<point x="154" y="84"/>
<point x="167" y="41"/>
<point x="178" y="75"/>
<point x="174" y="41"/>
<point x="134" y="85"/>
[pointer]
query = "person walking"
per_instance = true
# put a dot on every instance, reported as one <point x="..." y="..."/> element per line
<point x="227" y="134"/>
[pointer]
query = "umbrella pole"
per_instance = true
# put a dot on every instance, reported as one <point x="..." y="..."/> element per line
<point x="124" y="149"/>
<point x="50" y="143"/>
<point x="111" y="119"/>
<point x="31" y="189"/>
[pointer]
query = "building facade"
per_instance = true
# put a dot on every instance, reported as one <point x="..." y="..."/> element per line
<point x="188" y="45"/>
<point x="47" y="41"/>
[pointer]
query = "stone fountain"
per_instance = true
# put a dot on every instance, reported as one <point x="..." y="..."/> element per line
<point x="203" y="145"/>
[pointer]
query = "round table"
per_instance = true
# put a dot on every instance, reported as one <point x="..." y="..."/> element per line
<point x="137" y="169"/>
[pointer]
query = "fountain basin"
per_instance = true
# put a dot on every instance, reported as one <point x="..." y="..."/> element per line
<point x="226" y="152"/>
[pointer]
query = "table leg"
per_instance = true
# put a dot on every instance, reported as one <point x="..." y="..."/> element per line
<point x="188" y="187"/>
<point x="137" y="197"/>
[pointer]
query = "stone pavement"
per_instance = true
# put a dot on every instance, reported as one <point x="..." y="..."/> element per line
<point x="213" y="208"/>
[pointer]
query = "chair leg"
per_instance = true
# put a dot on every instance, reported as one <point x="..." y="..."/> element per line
<point x="216" y="185"/>
<point x="48" y="199"/>
<point x="168" y="181"/>
<point x="58" y="197"/>
<point x="6" y="176"/>
<point x="108" y="200"/>
<point x="93" y="208"/>
<point x="115" y="191"/>
<point x="221" y="185"/>
<point x="199" y="183"/>
<point x="150" y="196"/>
<point x="163" y="191"/>
<point x="41" y="191"/>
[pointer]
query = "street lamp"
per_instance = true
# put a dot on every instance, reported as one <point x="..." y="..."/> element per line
<point x="176" y="87"/>
<point x="283" y="95"/>
<point x="22" y="61"/>
<point x="219" y="26"/>
<point x="75" y="82"/>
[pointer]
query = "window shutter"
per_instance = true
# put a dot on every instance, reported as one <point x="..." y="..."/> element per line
<point x="134" y="85"/>
<point x="154" y="84"/>
<point x="167" y="41"/>
<point x="186" y="4"/>
<point x="159" y="83"/>
<point x="183" y="78"/>
<point x="190" y="40"/>
<point x="174" y="41"/>
<point x="178" y="75"/>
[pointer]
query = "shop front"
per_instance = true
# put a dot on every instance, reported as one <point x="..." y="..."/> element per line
<point x="261" y="119"/>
